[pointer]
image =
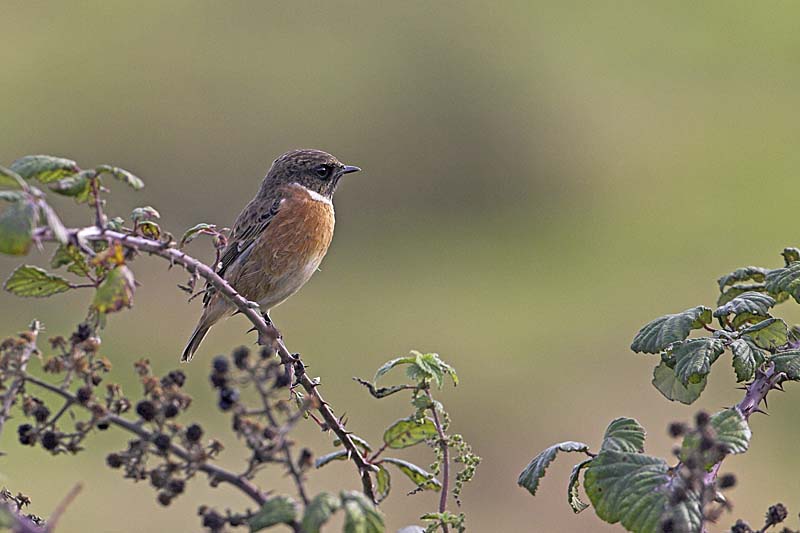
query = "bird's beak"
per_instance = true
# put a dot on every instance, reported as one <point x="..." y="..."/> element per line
<point x="348" y="169"/>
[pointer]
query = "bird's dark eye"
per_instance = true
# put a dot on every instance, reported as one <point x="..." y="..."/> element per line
<point x="323" y="171"/>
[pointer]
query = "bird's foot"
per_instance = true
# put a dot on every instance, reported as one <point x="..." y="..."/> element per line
<point x="253" y="305"/>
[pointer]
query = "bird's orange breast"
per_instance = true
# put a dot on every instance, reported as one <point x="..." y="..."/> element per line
<point x="290" y="249"/>
<point x="301" y="231"/>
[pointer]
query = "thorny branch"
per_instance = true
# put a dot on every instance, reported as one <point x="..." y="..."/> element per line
<point x="756" y="392"/>
<point x="267" y="334"/>
<point x="215" y="473"/>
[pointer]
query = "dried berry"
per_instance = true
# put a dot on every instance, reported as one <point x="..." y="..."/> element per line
<point x="213" y="521"/>
<point x="726" y="481"/>
<point x="26" y="435"/>
<point x="776" y="514"/>
<point x="114" y="460"/>
<point x="164" y="498"/>
<point x="41" y="413"/>
<point x="218" y="380"/>
<point x="702" y="419"/>
<point x="158" y="478"/>
<point x="240" y="356"/>
<point x="194" y="433"/>
<point x="177" y="377"/>
<point x="220" y="364"/>
<point x="103" y="425"/>
<point x="227" y="398"/>
<point x="81" y="334"/>
<point x="146" y="410"/>
<point x="49" y="440"/>
<point x="176" y="486"/>
<point x="162" y="442"/>
<point x="171" y="410"/>
<point x="677" y="429"/>
<point x="84" y="394"/>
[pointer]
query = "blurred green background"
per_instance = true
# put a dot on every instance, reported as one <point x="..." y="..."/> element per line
<point x="539" y="180"/>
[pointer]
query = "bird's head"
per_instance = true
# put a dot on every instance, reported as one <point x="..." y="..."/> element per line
<point x="317" y="170"/>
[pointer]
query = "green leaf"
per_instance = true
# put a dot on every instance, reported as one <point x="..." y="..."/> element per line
<point x="748" y="273"/>
<point x="693" y="358"/>
<point x="45" y="168"/>
<point x="145" y="213"/>
<point x="122" y="175"/>
<point x="194" y="231"/>
<point x="363" y="444"/>
<point x="420" y="477"/>
<point x="790" y="255"/>
<point x="115" y="224"/>
<point x="393" y="363"/>
<point x="746" y="319"/>
<point x="115" y="292"/>
<point x="752" y="302"/>
<point x="70" y="255"/>
<point x="9" y="178"/>
<point x="784" y="281"/>
<point x="788" y="363"/>
<point x="277" y="510"/>
<point x="530" y="476"/>
<point x="730" y="430"/>
<point x="746" y="357"/>
<point x="634" y="490"/>
<point x="54" y="223"/>
<point x="360" y="515"/>
<point x="338" y="455"/>
<point x="768" y="334"/>
<point x="408" y="432"/>
<point x="12" y="196"/>
<point x="78" y="186"/>
<point x="16" y="228"/>
<point x="668" y="384"/>
<point x="319" y="511"/>
<point x="149" y="229"/>
<point x="738" y="290"/>
<point x="29" y="280"/>
<point x="573" y="495"/>
<point x="624" y="435"/>
<point x="383" y="483"/>
<point x="663" y="331"/>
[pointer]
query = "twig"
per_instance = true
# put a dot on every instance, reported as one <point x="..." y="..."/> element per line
<point x="445" y="460"/>
<point x="267" y="334"/>
<point x="287" y="453"/>
<point x="214" y="472"/>
<point x="766" y="380"/>
<point x="62" y="506"/>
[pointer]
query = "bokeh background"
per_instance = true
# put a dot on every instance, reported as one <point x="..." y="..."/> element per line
<point x="539" y="180"/>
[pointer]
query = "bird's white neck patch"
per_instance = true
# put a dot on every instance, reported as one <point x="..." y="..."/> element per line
<point x="317" y="197"/>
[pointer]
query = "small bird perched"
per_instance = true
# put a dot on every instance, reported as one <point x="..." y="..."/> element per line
<point x="279" y="239"/>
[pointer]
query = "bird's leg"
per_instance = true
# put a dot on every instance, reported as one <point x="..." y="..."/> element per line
<point x="267" y="319"/>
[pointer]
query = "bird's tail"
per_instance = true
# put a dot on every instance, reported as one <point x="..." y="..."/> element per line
<point x="194" y="341"/>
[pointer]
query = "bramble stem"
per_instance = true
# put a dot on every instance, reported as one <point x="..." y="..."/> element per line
<point x="445" y="460"/>
<point x="214" y="472"/>
<point x="267" y="334"/>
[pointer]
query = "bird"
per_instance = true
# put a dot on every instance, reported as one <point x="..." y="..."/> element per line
<point x="279" y="239"/>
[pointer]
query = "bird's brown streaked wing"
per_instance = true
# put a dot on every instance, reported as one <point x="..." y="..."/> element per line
<point x="249" y="225"/>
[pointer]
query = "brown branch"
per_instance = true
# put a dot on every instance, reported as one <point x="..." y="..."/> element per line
<point x="297" y="476"/>
<point x="214" y="472"/>
<point x="62" y="507"/>
<point x="267" y="334"/>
